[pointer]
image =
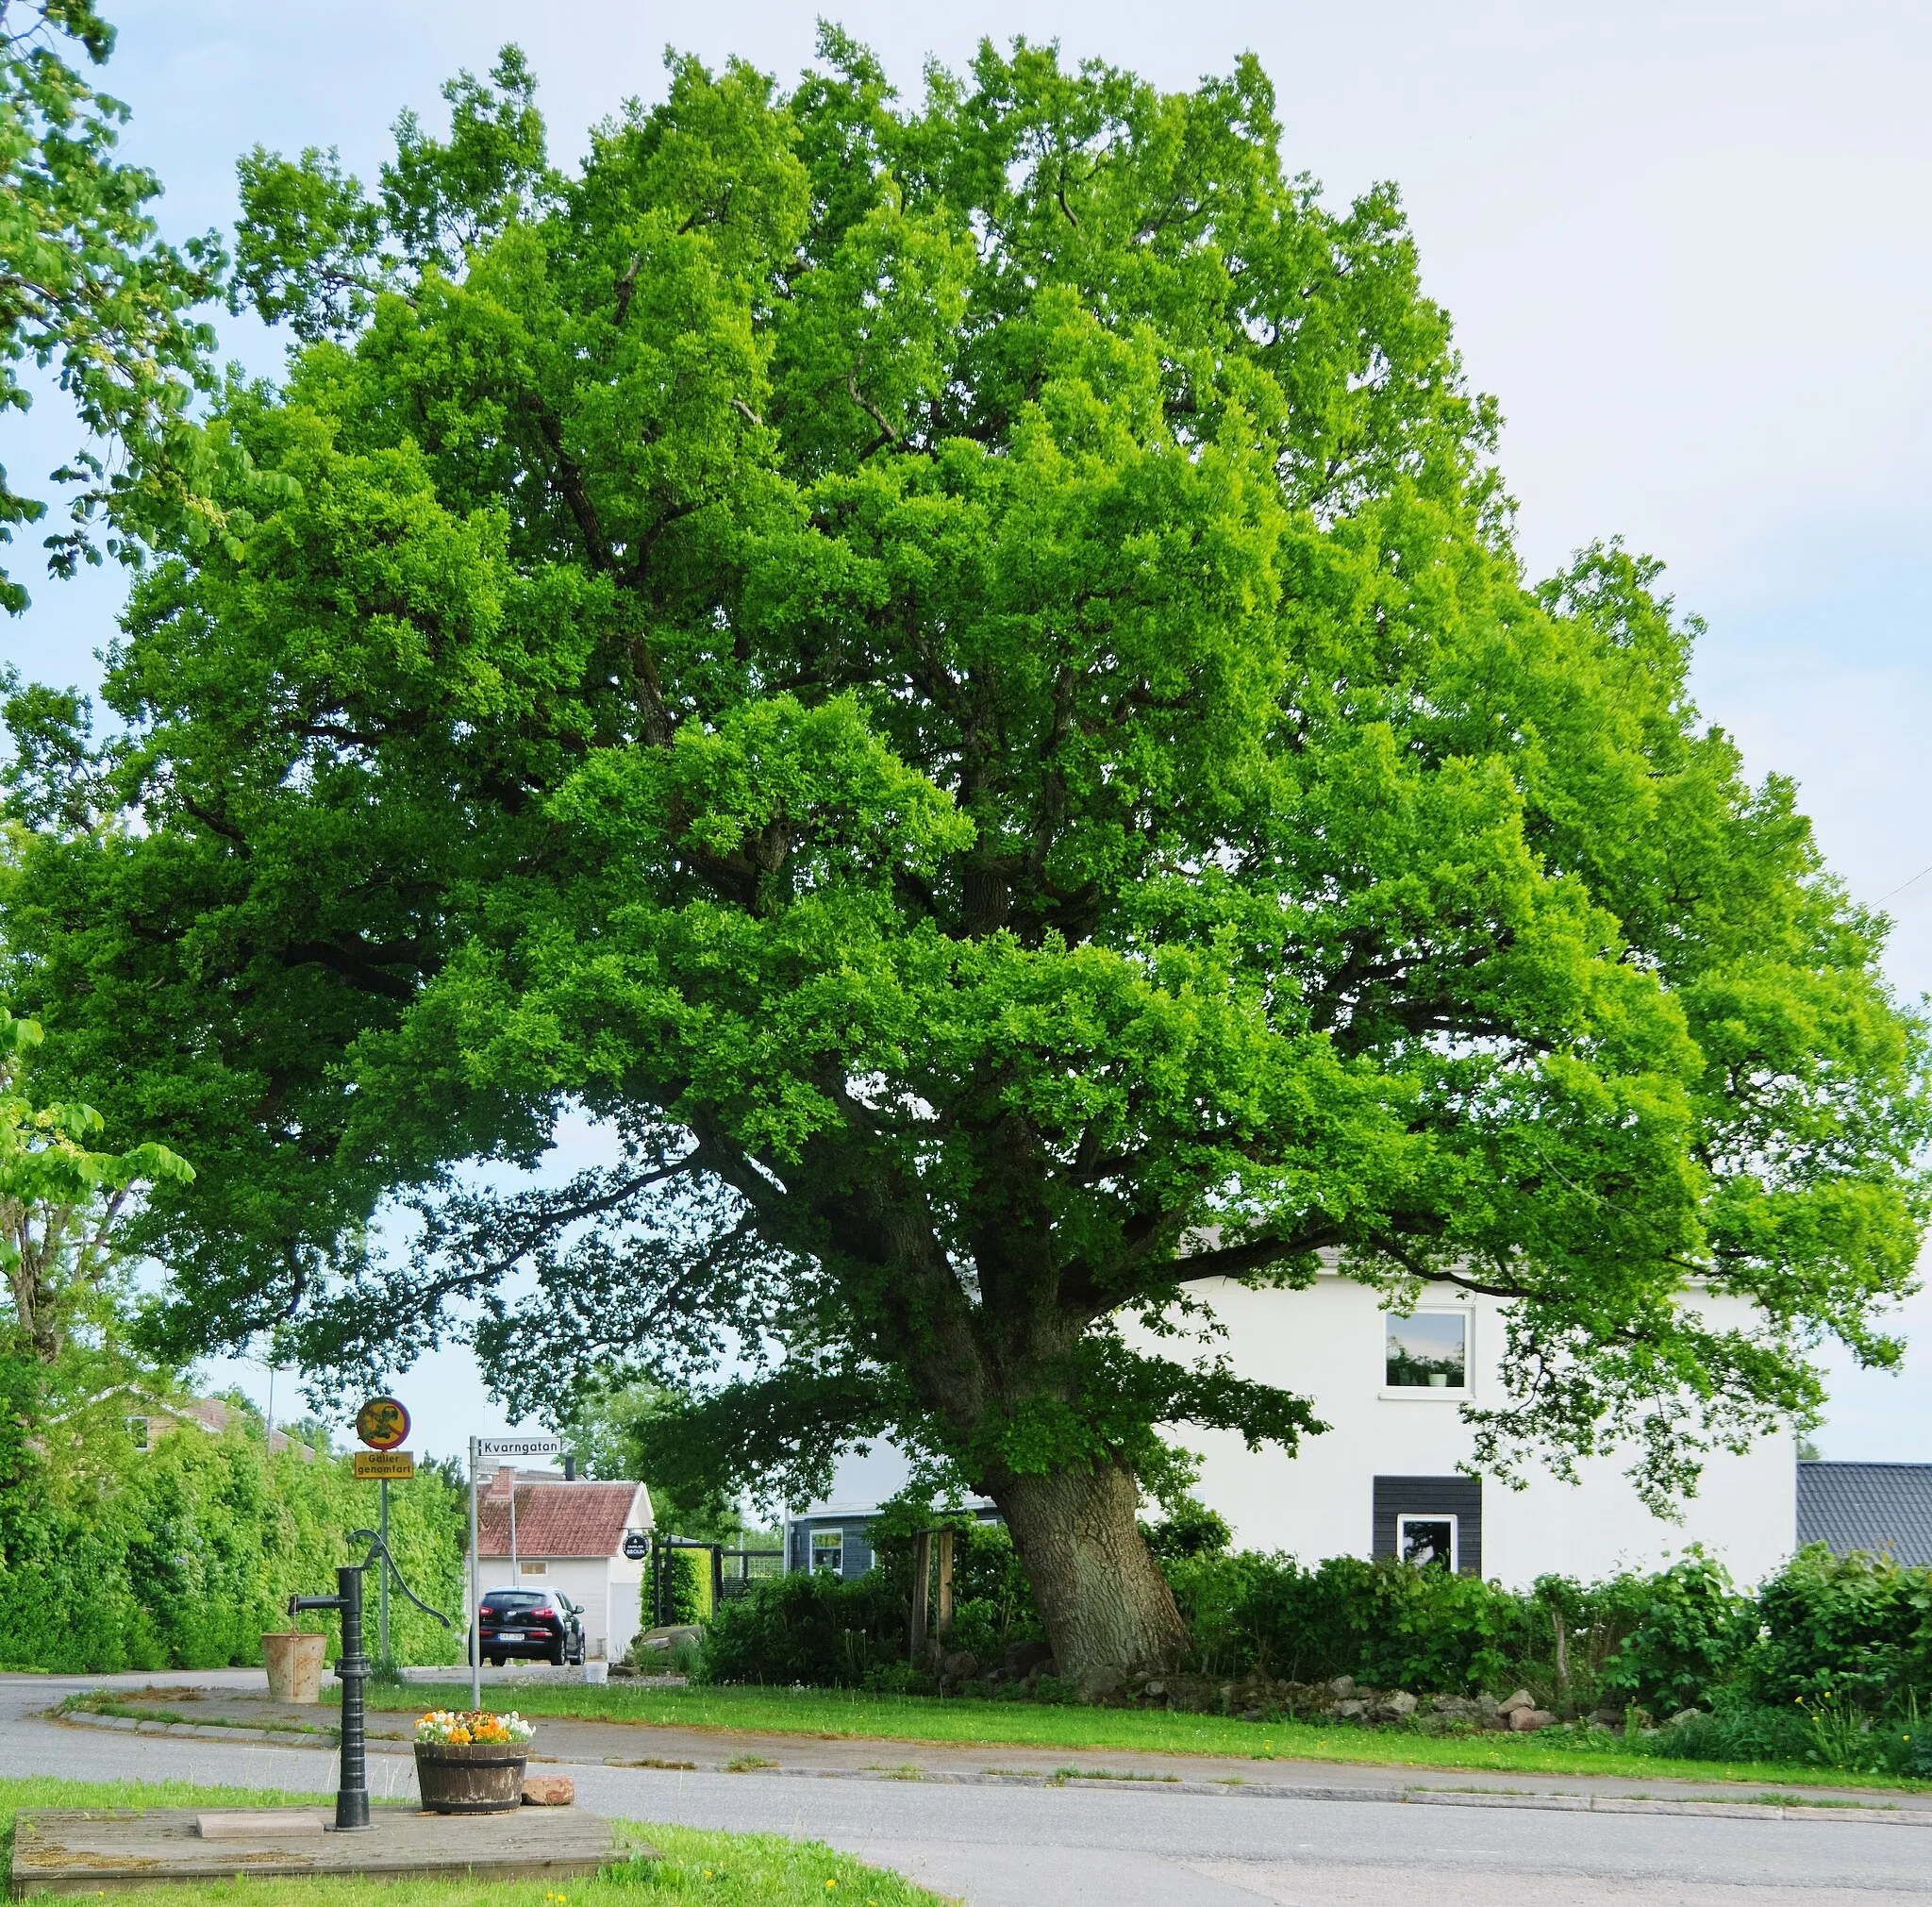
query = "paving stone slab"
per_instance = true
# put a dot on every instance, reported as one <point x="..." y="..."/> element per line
<point x="86" y="1850"/>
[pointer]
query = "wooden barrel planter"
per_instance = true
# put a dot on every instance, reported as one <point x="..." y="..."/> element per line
<point x="476" y="1778"/>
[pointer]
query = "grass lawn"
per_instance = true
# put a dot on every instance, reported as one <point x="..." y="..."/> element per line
<point x="830" y="1712"/>
<point x="720" y="1870"/>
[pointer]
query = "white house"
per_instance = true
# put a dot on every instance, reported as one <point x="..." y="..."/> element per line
<point x="570" y="1538"/>
<point x="1382" y="1481"/>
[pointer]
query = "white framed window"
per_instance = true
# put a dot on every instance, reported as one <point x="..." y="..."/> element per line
<point x="1426" y="1540"/>
<point x="533" y="1568"/>
<point x="138" y="1432"/>
<point x="1425" y="1353"/>
<point x="828" y="1550"/>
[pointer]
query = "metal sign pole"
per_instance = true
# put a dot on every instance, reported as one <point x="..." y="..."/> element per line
<point x="499" y="1451"/>
<point x="475" y="1594"/>
<point x="516" y="1574"/>
<point x="382" y="1619"/>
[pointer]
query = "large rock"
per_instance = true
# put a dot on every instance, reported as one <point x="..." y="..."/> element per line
<point x="1100" y="1684"/>
<point x="1350" y="1711"/>
<point x="549" y="1791"/>
<point x="1341" y="1687"/>
<point x="1019" y="1659"/>
<point x="960" y="1666"/>
<point x="1523" y="1721"/>
<point x="1513" y="1704"/>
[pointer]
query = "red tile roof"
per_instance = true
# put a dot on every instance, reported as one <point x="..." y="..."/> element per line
<point x="562" y="1519"/>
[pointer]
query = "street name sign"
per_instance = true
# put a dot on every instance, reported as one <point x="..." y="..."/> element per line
<point x="518" y="1447"/>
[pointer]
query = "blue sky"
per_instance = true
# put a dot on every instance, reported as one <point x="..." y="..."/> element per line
<point x="1684" y="244"/>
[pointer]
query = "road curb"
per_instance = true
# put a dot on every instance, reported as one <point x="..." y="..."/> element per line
<point x="1855" y="1813"/>
<point x="205" y="1731"/>
<point x="1425" y="1797"/>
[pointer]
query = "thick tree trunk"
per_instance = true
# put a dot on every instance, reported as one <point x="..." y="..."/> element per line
<point x="1105" y="1602"/>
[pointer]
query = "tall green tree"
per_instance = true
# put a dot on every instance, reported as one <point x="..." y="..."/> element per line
<point x="89" y="290"/>
<point x="954" y="675"/>
<point x="65" y="1206"/>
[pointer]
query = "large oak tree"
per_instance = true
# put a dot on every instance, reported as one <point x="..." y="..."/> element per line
<point x="956" y="677"/>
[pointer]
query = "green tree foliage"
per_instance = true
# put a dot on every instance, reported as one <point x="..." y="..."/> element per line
<point x="88" y="288"/>
<point x="955" y="674"/>
<point x="62" y="1206"/>
<point x="609" y="1432"/>
<point x="183" y="1554"/>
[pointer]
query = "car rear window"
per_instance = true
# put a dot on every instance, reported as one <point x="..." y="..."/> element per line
<point x="517" y="1598"/>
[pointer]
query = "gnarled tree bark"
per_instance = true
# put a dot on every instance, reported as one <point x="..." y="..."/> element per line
<point x="1101" y="1594"/>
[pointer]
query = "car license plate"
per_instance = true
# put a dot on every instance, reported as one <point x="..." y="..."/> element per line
<point x="509" y="1636"/>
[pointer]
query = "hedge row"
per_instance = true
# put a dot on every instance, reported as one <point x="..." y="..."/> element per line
<point x="182" y="1555"/>
<point x="1853" y="1631"/>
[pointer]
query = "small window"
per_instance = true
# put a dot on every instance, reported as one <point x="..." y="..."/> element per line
<point x="137" y="1432"/>
<point x="1428" y="1350"/>
<point x="828" y="1550"/>
<point x="1426" y="1542"/>
<point x="532" y="1569"/>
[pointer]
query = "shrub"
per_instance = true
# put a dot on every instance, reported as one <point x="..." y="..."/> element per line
<point x="1854" y="1628"/>
<point x="688" y="1584"/>
<point x="1737" y="1729"/>
<point x="1686" y="1628"/>
<point x="808" y="1627"/>
<point x="1385" y="1624"/>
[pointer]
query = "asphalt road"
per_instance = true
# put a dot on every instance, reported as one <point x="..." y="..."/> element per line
<point x="1090" y="1848"/>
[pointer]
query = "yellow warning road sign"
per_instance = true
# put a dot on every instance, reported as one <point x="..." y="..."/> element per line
<point x="374" y="1465"/>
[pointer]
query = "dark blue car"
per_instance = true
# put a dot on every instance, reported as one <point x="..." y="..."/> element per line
<point x="536" y="1623"/>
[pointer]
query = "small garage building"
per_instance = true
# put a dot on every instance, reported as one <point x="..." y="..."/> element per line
<point x="570" y="1538"/>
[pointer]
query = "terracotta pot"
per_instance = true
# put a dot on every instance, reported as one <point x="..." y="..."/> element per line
<point x="295" y="1664"/>
<point x="477" y="1778"/>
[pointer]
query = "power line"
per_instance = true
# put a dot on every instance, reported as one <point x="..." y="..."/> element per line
<point x="1902" y="885"/>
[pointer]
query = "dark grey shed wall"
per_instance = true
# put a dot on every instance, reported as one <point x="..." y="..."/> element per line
<point x="857" y="1554"/>
<point x="1458" y="1496"/>
<point x="1884" y="1508"/>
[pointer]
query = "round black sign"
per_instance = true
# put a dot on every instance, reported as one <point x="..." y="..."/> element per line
<point x="637" y="1546"/>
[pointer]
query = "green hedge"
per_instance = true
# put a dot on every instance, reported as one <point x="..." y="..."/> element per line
<point x="808" y="1628"/>
<point x="181" y="1555"/>
<point x="1858" y="1628"/>
<point x="829" y="1634"/>
<point x="1824" y="1638"/>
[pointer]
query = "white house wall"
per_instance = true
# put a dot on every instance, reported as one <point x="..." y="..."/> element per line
<point x="1328" y="1342"/>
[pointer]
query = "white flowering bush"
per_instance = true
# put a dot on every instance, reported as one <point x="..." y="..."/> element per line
<point x="466" y="1727"/>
